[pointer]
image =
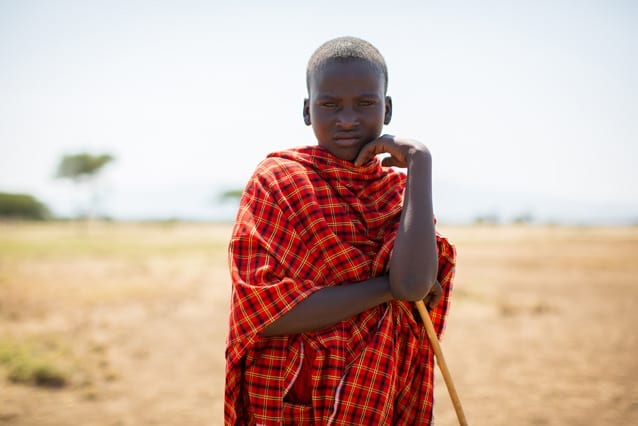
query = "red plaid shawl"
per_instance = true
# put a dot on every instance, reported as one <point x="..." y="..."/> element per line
<point x="308" y="220"/>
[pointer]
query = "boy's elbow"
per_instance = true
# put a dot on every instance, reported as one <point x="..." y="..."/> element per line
<point x="410" y="288"/>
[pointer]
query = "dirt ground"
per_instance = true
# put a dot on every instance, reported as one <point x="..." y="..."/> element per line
<point x="542" y="329"/>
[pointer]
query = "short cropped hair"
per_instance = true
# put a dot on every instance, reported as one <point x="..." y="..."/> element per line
<point x="343" y="49"/>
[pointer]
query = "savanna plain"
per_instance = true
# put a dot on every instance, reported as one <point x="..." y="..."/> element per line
<point x="125" y="324"/>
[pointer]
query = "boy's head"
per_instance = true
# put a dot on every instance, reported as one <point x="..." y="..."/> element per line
<point x="343" y="49"/>
<point x="347" y="106"/>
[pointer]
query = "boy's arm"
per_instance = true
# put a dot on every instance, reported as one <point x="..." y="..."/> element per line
<point x="330" y="305"/>
<point x="414" y="261"/>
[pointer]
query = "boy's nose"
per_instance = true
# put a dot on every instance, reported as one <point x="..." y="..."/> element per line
<point x="347" y="119"/>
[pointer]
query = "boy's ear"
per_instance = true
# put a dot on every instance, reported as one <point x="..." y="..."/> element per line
<point x="306" y="111"/>
<point x="388" y="110"/>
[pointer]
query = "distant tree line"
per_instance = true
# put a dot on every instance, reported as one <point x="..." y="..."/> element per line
<point x="22" y="206"/>
<point x="79" y="168"/>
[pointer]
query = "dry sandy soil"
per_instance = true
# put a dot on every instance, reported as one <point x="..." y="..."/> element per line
<point x="542" y="330"/>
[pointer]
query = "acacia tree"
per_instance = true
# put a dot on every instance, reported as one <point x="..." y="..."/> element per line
<point x="83" y="169"/>
<point x="231" y="195"/>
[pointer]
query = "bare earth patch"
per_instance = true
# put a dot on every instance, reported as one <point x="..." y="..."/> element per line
<point x="134" y="316"/>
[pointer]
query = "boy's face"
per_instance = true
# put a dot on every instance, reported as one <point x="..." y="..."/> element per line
<point x="347" y="106"/>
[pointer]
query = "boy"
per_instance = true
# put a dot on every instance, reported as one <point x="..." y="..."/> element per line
<point x="329" y="250"/>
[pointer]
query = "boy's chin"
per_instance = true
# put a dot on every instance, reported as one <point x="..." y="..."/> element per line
<point x="347" y="154"/>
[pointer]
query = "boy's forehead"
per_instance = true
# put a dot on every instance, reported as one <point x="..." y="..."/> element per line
<point x="336" y="67"/>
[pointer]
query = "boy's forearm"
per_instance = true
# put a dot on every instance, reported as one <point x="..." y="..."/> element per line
<point x="330" y="305"/>
<point x="413" y="266"/>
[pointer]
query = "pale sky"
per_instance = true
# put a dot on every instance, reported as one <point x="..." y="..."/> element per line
<point x="528" y="106"/>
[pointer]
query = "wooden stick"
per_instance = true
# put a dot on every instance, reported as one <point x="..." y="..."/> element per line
<point x="434" y="341"/>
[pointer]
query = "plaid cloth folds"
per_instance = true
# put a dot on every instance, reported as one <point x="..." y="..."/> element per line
<point x="308" y="220"/>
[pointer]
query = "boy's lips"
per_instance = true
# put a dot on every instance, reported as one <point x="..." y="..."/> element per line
<point x="347" y="140"/>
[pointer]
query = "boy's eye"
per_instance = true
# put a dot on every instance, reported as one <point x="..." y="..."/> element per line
<point x="366" y="103"/>
<point x="329" y="104"/>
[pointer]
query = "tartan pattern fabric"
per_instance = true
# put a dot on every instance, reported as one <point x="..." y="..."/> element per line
<point x="308" y="220"/>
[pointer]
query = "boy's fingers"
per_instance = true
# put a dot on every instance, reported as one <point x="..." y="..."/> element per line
<point x="367" y="152"/>
<point x="391" y="161"/>
<point x="371" y="149"/>
<point x="434" y="297"/>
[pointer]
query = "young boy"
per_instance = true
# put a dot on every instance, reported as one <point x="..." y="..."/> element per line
<point x="329" y="250"/>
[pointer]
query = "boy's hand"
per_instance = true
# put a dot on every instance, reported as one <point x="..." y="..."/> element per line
<point x="400" y="150"/>
<point x="434" y="296"/>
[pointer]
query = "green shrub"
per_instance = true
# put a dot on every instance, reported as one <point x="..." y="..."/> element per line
<point x="26" y="365"/>
<point x="37" y="372"/>
<point x="22" y="206"/>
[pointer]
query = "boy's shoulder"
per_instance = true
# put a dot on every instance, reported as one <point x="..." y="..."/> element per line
<point x="285" y="161"/>
<point x="313" y="163"/>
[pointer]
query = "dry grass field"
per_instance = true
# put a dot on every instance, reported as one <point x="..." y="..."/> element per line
<point x="124" y="324"/>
